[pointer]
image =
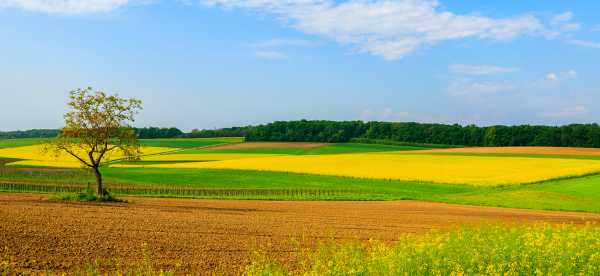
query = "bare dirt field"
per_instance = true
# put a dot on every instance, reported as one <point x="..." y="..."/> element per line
<point x="522" y="150"/>
<point x="254" y="145"/>
<point x="209" y="235"/>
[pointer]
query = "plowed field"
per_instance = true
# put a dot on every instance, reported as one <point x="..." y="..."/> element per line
<point x="208" y="235"/>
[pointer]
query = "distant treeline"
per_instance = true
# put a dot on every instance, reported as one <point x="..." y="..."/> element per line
<point x="574" y="135"/>
<point x="155" y="132"/>
<point x="222" y="132"/>
<point x="143" y="133"/>
<point x="32" y="133"/>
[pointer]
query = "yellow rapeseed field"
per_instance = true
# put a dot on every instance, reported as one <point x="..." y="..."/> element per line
<point x="481" y="171"/>
<point x="34" y="156"/>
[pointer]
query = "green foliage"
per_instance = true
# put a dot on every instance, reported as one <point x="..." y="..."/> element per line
<point x="538" y="249"/>
<point x="216" y="133"/>
<point x="86" y="196"/>
<point x="156" y="132"/>
<point x="189" y="142"/>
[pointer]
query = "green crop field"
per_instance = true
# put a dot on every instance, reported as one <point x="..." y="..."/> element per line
<point x="189" y="142"/>
<point x="13" y="143"/>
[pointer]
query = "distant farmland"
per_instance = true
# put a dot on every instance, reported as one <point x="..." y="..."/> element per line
<point x="225" y="168"/>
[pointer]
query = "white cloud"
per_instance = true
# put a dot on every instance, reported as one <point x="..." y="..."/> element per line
<point x="274" y="48"/>
<point x="271" y="55"/>
<point x="567" y="112"/>
<point x="566" y="75"/>
<point x="392" y="29"/>
<point x="65" y="6"/>
<point x="585" y="43"/>
<point x="564" y="22"/>
<point x="479" y="70"/>
<point x="595" y="28"/>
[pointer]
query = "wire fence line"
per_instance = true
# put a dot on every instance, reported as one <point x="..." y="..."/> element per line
<point x="128" y="189"/>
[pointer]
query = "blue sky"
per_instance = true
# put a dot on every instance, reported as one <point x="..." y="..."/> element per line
<point x="219" y="63"/>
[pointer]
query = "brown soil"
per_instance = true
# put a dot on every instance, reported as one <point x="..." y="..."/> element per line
<point x="209" y="235"/>
<point x="523" y="150"/>
<point x="254" y="145"/>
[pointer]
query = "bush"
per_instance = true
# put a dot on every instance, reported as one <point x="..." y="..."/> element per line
<point x="88" y="195"/>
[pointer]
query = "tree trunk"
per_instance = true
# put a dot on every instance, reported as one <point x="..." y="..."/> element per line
<point x="99" y="187"/>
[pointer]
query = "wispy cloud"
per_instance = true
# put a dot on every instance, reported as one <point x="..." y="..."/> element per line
<point x="468" y="88"/>
<point x="271" y="55"/>
<point x="560" y="76"/>
<point x="563" y="22"/>
<point x="567" y="112"/>
<point x="65" y="6"/>
<point x="274" y="49"/>
<point x="479" y="70"/>
<point x="392" y="29"/>
<point x="585" y="43"/>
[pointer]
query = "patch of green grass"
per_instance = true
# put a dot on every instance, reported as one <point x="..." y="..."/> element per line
<point x="293" y="151"/>
<point x="87" y="196"/>
<point x="399" y="143"/>
<point x="189" y="142"/>
<point x="573" y="194"/>
<point x="539" y="249"/>
<point x="358" y="148"/>
<point x="13" y="143"/>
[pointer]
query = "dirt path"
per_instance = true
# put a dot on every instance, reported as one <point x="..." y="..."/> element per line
<point x="206" y="235"/>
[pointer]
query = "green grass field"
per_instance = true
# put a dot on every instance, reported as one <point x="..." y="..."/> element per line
<point x="13" y="143"/>
<point x="189" y="142"/>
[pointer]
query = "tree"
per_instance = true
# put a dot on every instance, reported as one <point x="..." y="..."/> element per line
<point x="97" y="126"/>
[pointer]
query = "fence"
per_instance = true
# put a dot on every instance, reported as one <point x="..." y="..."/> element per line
<point x="251" y="193"/>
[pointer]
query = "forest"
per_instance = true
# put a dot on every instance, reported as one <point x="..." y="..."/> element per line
<point x="573" y="135"/>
